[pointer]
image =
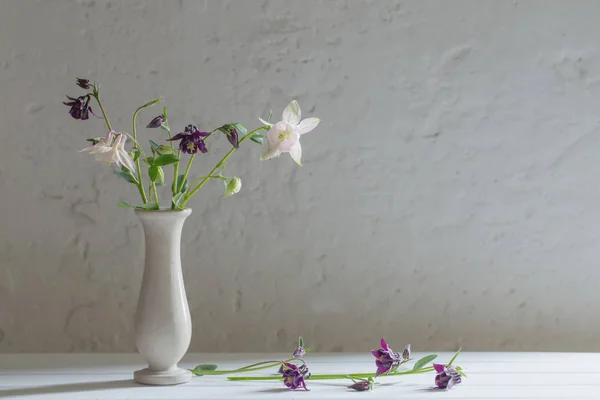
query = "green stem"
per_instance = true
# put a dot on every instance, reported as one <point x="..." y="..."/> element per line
<point x="97" y="97"/>
<point x="454" y="356"/>
<point x="219" y="164"/>
<point x="155" y="196"/>
<point x="247" y="368"/>
<point x="185" y="175"/>
<point x="332" y="376"/>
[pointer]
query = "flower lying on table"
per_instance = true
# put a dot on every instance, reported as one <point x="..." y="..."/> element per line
<point x="293" y="372"/>
<point x="281" y="137"/>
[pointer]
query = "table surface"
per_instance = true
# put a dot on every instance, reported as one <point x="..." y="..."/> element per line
<point x="574" y="376"/>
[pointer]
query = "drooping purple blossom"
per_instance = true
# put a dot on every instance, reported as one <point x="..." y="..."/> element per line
<point x="299" y="352"/>
<point x="230" y="130"/>
<point x="361" y="385"/>
<point x="80" y="107"/>
<point x="156" y="122"/>
<point x="294" y="376"/>
<point x="385" y="358"/>
<point x="83" y="83"/>
<point x="191" y="140"/>
<point x="446" y="377"/>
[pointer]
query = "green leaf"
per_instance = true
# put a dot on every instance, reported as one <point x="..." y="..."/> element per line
<point x="300" y="341"/>
<point x="241" y="129"/>
<point x="148" y="206"/>
<point x="204" y="367"/>
<point x="156" y="174"/>
<point x="177" y="199"/>
<point x="124" y="175"/>
<point x="153" y="146"/>
<point x="258" y="137"/>
<point x="424" y="361"/>
<point x="165" y="159"/>
<point x="135" y="154"/>
<point x="454" y="356"/>
<point x="185" y="183"/>
<point x="149" y="160"/>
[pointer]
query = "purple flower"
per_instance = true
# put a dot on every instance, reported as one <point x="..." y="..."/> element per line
<point x="385" y="358"/>
<point x="156" y="122"/>
<point x="83" y="83"/>
<point x="191" y="140"/>
<point x="230" y="130"/>
<point x="80" y="107"/>
<point x="294" y="376"/>
<point x="299" y="352"/>
<point x="361" y="386"/>
<point x="447" y="376"/>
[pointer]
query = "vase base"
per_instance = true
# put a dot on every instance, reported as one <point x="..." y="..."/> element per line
<point x="162" y="378"/>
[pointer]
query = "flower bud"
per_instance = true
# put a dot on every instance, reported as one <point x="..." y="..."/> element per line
<point x="156" y="122"/>
<point x="232" y="186"/>
<point x="361" y="386"/>
<point x="83" y="83"/>
<point x="164" y="149"/>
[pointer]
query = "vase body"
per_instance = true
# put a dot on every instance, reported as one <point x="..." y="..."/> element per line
<point x="163" y="326"/>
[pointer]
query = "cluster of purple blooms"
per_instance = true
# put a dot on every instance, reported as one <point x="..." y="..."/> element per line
<point x="386" y="361"/>
<point x="191" y="140"/>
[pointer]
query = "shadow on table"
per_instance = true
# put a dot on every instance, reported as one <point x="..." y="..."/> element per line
<point x="68" y="388"/>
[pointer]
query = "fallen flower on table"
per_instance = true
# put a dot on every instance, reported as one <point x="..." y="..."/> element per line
<point x="293" y="372"/>
<point x="362" y="385"/>
<point x="294" y="376"/>
<point x="386" y="360"/>
<point x="446" y="377"/>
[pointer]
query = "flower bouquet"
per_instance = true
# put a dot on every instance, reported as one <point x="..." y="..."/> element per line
<point x="162" y="322"/>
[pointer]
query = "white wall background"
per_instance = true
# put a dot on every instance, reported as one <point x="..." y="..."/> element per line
<point x="451" y="195"/>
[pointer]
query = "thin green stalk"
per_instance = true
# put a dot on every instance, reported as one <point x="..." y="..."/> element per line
<point x="185" y="175"/>
<point x="248" y="368"/>
<point x="318" y="377"/>
<point x="219" y="164"/>
<point x="140" y="148"/>
<point x="155" y="196"/>
<point x="97" y="97"/>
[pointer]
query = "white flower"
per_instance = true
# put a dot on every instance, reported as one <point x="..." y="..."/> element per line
<point x="284" y="136"/>
<point x="112" y="149"/>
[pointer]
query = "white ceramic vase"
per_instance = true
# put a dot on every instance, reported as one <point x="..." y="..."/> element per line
<point x="163" y="326"/>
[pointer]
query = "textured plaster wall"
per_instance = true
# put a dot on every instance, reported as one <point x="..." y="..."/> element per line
<point x="451" y="195"/>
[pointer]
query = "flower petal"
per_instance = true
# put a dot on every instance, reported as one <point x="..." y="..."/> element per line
<point x="292" y="113"/>
<point x="307" y="125"/>
<point x="384" y="344"/>
<point x="296" y="153"/>
<point x="127" y="161"/>
<point x="262" y="121"/>
<point x="439" y="367"/>
<point x="179" y="136"/>
<point x="270" y="152"/>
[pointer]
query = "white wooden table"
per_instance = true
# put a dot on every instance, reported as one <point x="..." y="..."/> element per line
<point x="491" y="376"/>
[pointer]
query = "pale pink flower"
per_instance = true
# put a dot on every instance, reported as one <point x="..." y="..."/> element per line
<point x="284" y="136"/>
<point x="112" y="150"/>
